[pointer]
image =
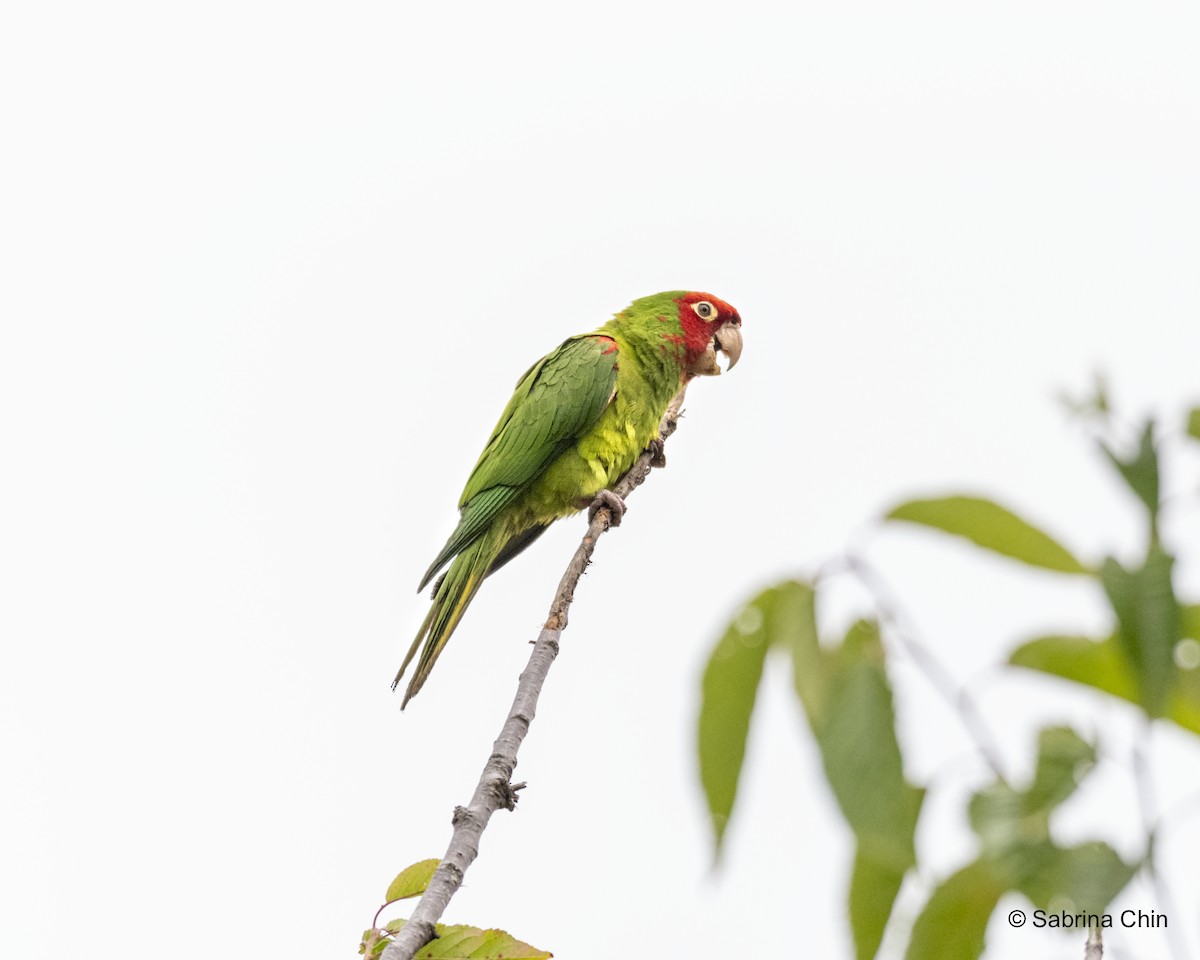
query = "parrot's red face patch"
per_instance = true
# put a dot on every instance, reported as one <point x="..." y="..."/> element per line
<point x="709" y="325"/>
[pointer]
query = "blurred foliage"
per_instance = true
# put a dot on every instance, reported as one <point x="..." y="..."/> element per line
<point x="1151" y="659"/>
<point x="991" y="526"/>
<point x="1101" y="663"/>
<point x="454" y="941"/>
<point x="847" y="699"/>
<point x="1140" y="469"/>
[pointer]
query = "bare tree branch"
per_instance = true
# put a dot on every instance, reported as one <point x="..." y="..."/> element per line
<point x="495" y="791"/>
<point x="1094" y="950"/>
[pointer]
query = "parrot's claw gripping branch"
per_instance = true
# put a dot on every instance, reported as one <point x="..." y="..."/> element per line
<point x="606" y="499"/>
<point x="657" y="457"/>
<point x="495" y="789"/>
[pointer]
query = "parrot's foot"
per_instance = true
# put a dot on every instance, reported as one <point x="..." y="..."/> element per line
<point x="658" y="457"/>
<point x="616" y="507"/>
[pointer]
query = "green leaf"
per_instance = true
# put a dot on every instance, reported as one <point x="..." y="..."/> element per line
<point x="1140" y="470"/>
<point x="862" y="756"/>
<point x="1189" y="620"/>
<point x="857" y="736"/>
<point x="1103" y="665"/>
<point x="954" y="921"/>
<point x="1193" y="423"/>
<point x="1063" y="759"/>
<point x="1149" y="623"/>
<point x="782" y="616"/>
<point x="728" y="691"/>
<point x="1082" y="879"/>
<point x="411" y="881"/>
<point x="372" y="943"/>
<point x="1096" y="403"/>
<point x="848" y="702"/>
<point x="793" y="627"/>
<point x="1014" y="825"/>
<point x="991" y="526"/>
<point x="458" y="942"/>
<point x="1097" y="663"/>
<point x="873" y="889"/>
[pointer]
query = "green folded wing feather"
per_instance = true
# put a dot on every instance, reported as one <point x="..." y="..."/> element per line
<point x="556" y="403"/>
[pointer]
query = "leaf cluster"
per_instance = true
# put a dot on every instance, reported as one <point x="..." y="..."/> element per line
<point x="1149" y="658"/>
<point x="453" y="941"/>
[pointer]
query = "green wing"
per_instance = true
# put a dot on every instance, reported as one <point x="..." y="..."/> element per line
<point x="557" y="402"/>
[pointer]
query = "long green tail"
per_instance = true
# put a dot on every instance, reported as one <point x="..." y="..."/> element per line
<point x="451" y="597"/>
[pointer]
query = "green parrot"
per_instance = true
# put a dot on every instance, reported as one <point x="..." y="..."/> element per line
<point x="578" y="420"/>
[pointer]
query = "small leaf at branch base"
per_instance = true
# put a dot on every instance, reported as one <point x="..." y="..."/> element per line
<point x="992" y="527"/>
<point x="372" y="944"/>
<point x="1149" y="622"/>
<point x="729" y="689"/>
<point x="459" y="941"/>
<point x="412" y="880"/>
<point x="954" y="921"/>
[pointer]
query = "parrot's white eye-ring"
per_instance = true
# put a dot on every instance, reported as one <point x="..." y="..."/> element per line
<point x="704" y="310"/>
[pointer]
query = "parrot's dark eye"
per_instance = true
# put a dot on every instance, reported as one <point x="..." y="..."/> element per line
<point x="705" y="310"/>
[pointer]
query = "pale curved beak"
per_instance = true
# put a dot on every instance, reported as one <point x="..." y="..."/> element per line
<point x="729" y="342"/>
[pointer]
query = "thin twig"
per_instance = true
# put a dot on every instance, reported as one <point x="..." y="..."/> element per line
<point x="957" y="696"/>
<point x="1094" y="950"/>
<point x="1148" y="806"/>
<point x="1181" y="811"/>
<point x="495" y="790"/>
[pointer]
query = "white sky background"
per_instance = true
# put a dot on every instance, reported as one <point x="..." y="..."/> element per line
<point x="269" y="274"/>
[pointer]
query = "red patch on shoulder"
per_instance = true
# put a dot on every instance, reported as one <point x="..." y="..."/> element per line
<point x="608" y="343"/>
